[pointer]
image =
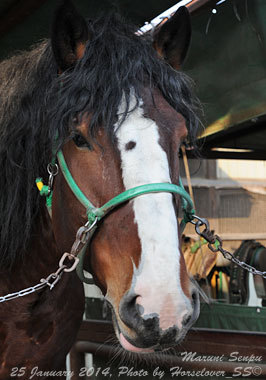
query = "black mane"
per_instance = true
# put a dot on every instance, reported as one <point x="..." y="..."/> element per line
<point x="37" y="108"/>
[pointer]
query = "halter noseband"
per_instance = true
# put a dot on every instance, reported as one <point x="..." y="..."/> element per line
<point x="95" y="214"/>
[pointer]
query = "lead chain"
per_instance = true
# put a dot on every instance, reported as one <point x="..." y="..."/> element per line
<point x="50" y="281"/>
<point x="242" y="264"/>
<point x="82" y="237"/>
<point x="215" y="244"/>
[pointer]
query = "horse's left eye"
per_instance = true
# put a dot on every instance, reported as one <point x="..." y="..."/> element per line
<point x="81" y="142"/>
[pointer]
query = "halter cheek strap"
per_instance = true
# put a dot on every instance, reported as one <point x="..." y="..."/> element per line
<point x="94" y="214"/>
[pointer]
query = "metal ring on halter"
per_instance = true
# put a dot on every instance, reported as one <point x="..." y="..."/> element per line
<point x="89" y="226"/>
<point x="52" y="169"/>
<point x="199" y="221"/>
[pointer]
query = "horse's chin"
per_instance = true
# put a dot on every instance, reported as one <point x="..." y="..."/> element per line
<point x="124" y="342"/>
<point x="130" y="347"/>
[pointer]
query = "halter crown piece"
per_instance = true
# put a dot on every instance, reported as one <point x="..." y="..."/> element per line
<point x="95" y="214"/>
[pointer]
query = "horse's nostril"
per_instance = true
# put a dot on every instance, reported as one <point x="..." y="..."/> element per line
<point x="190" y="318"/>
<point x="128" y="310"/>
<point x="132" y="300"/>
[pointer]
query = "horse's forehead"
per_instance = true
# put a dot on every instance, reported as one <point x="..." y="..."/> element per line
<point x="152" y="105"/>
<point x="171" y="124"/>
<point x="158" y="109"/>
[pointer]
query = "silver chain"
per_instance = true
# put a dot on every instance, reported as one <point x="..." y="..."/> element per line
<point x="82" y="237"/>
<point x="215" y="244"/>
<point x="49" y="281"/>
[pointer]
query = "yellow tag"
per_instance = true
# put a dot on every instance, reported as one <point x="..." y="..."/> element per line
<point x="39" y="185"/>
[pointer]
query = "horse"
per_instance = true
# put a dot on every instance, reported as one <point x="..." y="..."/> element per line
<point x="113" y="106"/>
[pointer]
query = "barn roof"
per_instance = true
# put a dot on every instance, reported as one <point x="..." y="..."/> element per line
<point x="227" y="60"/>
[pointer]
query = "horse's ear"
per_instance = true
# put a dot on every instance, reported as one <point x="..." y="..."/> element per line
<point x="172" y="39"/>
<point x="69" y="35"/>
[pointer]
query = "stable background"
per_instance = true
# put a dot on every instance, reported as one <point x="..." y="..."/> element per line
<point x="227" y="60"/>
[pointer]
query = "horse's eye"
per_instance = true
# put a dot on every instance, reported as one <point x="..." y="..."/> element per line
<point x="81" y="142"/>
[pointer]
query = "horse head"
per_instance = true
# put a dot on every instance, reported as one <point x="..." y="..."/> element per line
<point x="127" y="110"/>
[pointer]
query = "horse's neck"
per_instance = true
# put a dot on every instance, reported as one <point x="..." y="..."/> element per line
<point x="41" y="256"/>
<point x="43" y="249"/>
<point x="34" y="326"/>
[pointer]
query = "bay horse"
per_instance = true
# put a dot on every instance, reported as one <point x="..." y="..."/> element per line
<point x="115" y="105"/>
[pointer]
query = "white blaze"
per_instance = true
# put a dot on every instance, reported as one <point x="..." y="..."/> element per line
<point x="157" y="279"/>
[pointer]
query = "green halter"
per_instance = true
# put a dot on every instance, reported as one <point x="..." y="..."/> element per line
<point x="94" y="213"/>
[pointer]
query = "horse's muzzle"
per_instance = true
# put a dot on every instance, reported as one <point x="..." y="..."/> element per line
<point x="143" y="333"/>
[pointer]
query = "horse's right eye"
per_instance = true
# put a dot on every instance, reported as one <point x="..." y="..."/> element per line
<point x="81" y="142"/>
